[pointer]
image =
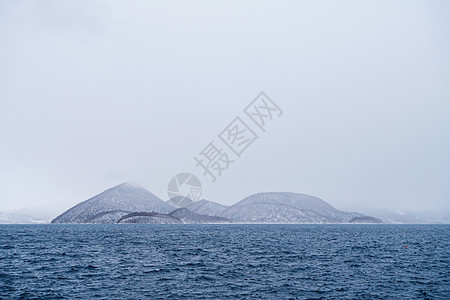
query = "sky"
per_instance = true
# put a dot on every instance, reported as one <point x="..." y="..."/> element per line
<point x="96" y="93"/>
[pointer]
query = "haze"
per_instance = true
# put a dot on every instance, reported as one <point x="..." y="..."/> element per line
<point x="95" y="93"/>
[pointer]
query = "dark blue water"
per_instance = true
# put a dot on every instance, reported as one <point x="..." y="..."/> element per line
<point x="225" y="261"/>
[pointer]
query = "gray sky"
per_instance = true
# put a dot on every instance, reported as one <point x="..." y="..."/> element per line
<point x="95" y="93"/>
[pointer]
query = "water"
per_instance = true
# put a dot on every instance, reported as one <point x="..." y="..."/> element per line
<point x="225" y="261"/>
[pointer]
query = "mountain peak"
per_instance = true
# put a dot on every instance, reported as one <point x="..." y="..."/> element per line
<point x="121" y="199"/>
<point x="129" y="184"/>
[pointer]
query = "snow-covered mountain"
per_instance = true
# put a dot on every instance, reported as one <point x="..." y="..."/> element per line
<point x="391" y="216"/>
<point x="112" y="204"/>
<point x="188" y="216"/>
<point x="365" y="220"/>
<point x="130" y="203"/>
<point x="285" y="207"/>
<point x="209" y="208"/>
<point x="179" y="201"/>
<point x="12" y="218"/>
<point x="148" y="218"/>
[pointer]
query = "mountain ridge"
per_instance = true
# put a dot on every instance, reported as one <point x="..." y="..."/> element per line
<point x="131" y="203"/>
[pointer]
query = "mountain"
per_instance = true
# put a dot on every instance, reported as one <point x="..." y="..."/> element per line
<point x="209" y="208"/>
<point x="365" y="220"/>
<point x="149" y="218"/>
<point x="188" y="216"/>
<point x="180" y="201"/>
<point x="130" y="203"/>
<point x="112" y="204"/>
<point x="37" y="213"/>
<point x="285" y="208"/>
<point x="408" y="217"/>
<point x="14" y="218"/>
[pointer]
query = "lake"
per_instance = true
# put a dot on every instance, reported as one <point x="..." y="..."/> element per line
<point x="227" y="261"/>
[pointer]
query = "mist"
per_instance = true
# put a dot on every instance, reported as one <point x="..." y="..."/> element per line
<point x="96" y="93"/>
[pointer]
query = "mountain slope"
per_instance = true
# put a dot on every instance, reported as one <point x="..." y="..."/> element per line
<point x="112" y="204"/>
<point x="188" y="216"/>
<point x="209" y="208"/>
<point x="148" y="218"/>
<point x="365" y="220"/>
<point x="180" y="201"/>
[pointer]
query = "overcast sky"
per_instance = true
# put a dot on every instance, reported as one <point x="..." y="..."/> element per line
<point x="95" y="93"/>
